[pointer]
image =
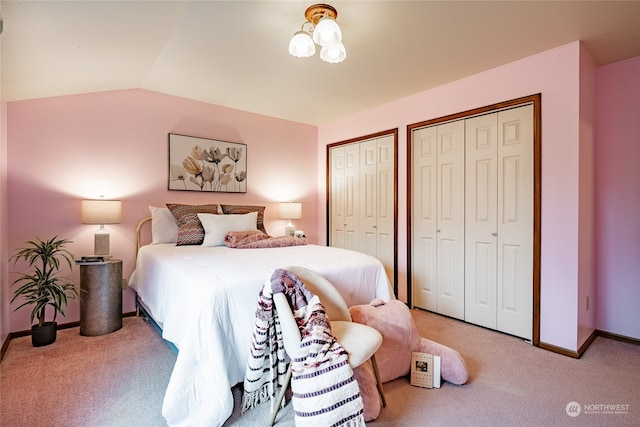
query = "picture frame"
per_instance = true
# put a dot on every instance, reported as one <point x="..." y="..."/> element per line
<point x="206" y="165"/>
<point x="425" y="370"/>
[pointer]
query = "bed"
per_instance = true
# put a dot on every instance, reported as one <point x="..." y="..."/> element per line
<point x="204" y="299"/>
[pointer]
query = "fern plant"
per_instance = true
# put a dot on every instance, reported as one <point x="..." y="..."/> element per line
<point x="43" y="287"/>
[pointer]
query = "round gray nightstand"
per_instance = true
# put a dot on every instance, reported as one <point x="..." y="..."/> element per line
<point x="100" y="297"/>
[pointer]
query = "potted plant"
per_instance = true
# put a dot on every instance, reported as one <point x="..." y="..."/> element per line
<point x="43" y="286"/>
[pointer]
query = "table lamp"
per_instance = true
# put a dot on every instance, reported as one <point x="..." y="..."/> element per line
<point x="101" y="212"/>
<point x="289" y="211"/>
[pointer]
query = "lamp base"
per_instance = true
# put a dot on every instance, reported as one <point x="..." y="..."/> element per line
<point x="289" y="229"/>
<point x="101" y="244"/>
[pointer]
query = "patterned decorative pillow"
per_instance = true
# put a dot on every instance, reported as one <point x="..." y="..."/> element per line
<point x="190" y="230"/>
<point x="243" y="209"/>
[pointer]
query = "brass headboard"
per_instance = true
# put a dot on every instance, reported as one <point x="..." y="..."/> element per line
<point x="138" y="232"/>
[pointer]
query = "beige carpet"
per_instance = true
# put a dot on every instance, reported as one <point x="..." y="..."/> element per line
<point x="119" y="380"/>
<point x="111" y="380"/>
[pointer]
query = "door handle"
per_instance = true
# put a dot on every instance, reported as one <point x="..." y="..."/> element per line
<point x="494" y="234"/>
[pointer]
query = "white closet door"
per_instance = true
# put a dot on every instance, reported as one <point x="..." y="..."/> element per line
<point x="368" y="197"/>
<point x="423" y="217"/>
<point x="515" y="222"/>
<point x="450" y="219"/>
<point x="338" y="197"/>
<point x="481" y="220"/>
<point x="362" y="198"/>
<point x="385" y="203"/>
<point x="472" y="219"/>
<point x="352" y="196"/>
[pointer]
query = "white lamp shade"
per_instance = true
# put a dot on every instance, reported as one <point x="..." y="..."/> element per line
<point x="290" y="210"/>
<point x="101" y="211"/>
<point x="333" y="54"/>
<point x="327" y="32"/>
<point x="301" y="45"/>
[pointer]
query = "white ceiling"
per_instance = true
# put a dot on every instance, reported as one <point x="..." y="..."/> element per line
<point x="234" y="53"/>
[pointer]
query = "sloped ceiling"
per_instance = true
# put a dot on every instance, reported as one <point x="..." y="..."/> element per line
<point x="234" y="53"/>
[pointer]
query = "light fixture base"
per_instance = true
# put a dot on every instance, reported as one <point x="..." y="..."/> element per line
<point x="314" y="13"/>
<point x="289" y="229"/>
<point x="101" y="244"/>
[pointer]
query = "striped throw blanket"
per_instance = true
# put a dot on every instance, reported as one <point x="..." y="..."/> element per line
<point x="266" y="367"/>
<point x="325" y="392"/>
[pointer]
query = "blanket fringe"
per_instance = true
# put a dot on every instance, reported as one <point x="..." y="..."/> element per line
<point x="262" y="395"/>
<point x="356" y="422"/>
<point x="253" y="399"/>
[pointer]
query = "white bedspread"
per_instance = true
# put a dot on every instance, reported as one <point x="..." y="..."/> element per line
<point x="205" y="298"/>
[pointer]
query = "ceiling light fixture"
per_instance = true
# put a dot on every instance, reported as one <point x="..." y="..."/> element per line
<point x="322" y="29"/>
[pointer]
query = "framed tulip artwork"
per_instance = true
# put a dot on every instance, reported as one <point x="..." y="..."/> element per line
<point x="201" y="164"/>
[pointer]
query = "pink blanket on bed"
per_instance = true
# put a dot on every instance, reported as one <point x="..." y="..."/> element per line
<point x="257" y="239"/>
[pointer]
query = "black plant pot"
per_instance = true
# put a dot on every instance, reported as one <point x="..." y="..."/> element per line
<point x="44" y="335"/>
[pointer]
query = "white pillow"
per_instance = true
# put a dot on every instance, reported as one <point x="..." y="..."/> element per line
<point x="217" y="226"/>
<point x="163" y="226"/>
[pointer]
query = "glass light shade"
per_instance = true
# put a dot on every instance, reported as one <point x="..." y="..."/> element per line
<point x="101" y="211"/>
<point x="327" y="32"/>
<point x="301" y="45"/>
<point x="333" y="54"/>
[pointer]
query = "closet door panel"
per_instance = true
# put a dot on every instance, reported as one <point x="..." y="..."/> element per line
<point x="368" y="197"/>
<point x="515" y="221"/>
<point x="424" y="218"/>
<point x="450" y="298"/>
<point x="481" y="220"/>
<point x="450" y="219"/>
<point x="385" y="248"/>
<point x="352" y="197"/>
<point x="338" y="197"/>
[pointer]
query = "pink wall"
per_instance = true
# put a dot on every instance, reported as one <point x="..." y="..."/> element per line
<point x="115" y="144"/>
<point x="555" y="74"/>
<point x="4" y="292"/>
<point x="586" y="198"/>
<point x="618" y="198"/>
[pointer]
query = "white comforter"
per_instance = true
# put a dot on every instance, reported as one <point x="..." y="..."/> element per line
<point x="205" y="298"/>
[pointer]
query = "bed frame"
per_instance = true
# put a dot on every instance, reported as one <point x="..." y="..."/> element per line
<point x="141" y="309"/>
<point x="142" y="222"/>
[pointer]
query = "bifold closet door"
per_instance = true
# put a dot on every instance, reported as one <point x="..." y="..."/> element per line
<point x="344" y="205"/>
<point x="481" y="220"/>
<point x="499" y="221"/>
<point x="438" y="218"/>
<point x="362" y="198"/>
<point x="423" y="218"/>
<point x="386" y="200"/>
<point x="515" y="222"/>
<point x="377" y="200"/>
<point x="338" y="197"/>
